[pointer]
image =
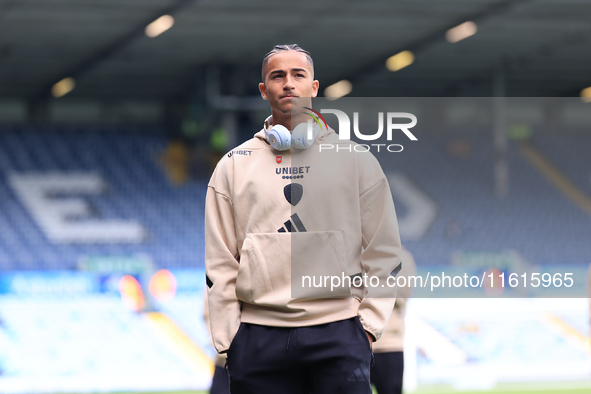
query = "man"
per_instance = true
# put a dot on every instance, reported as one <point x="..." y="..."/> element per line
<point x="388" y="368"/>
<point x="264" y="224"/>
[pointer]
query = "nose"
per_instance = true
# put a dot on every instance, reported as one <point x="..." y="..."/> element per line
<point x="288" y="83"/>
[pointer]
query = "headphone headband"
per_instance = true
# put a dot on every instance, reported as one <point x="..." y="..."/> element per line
<point x="302" y="136"/>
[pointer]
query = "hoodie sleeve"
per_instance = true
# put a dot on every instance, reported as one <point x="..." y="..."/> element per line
<point x="381" y="243"/>
<point x="221" y="263"/>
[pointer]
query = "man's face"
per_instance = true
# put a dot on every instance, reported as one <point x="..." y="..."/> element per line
<point x="288" y="76"/>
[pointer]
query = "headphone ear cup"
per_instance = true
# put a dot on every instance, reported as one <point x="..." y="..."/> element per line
<point x="279" y="137"/>
<point x="299" y="136"/>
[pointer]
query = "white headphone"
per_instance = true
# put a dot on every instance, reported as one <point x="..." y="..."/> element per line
<point x="281" y="139"/>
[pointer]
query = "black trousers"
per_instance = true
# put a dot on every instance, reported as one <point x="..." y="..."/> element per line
<point x="220" y="383"/>
<point x="386" y="372"/>
<point x="323" y="359"/>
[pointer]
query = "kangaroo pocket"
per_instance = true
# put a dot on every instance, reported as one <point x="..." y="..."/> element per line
<point x="276" y="268"/>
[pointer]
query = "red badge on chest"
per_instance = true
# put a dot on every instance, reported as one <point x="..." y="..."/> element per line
<point x="279" y="159"/>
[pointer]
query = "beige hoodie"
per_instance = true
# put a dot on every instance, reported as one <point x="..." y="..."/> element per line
<point x="220" y="359"/>
<point x="341" y="221"/>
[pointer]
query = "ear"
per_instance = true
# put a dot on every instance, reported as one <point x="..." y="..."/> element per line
<point x="315" y="86"/>
<point x="263" y="90"/>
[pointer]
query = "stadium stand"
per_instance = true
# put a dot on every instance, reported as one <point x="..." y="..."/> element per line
<point x="70" y="341"/>
<point x="57" y="342"/>
<point x="568" y="150"/>
<point x="546" y="228"/>
<point x="137" y="190"/>
<point x="535" y="219"/>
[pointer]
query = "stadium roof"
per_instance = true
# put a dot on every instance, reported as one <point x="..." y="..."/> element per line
<point x="540" y="47"/>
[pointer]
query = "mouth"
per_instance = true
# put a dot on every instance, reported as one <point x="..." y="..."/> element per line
<point x="288" y="96"/>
